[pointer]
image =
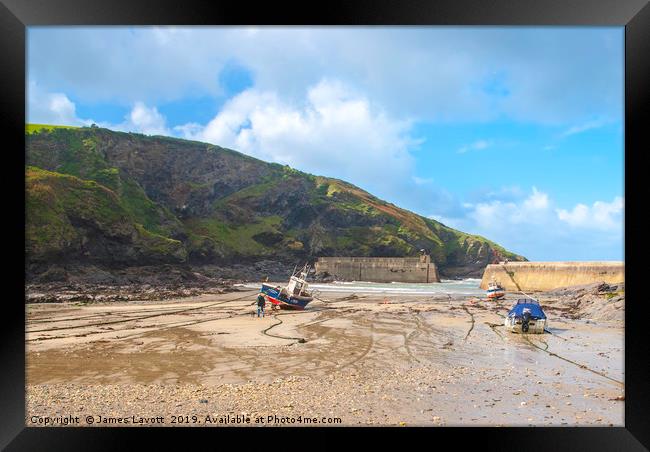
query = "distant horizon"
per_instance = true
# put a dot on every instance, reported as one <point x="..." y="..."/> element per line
<point x="493" y="131"/>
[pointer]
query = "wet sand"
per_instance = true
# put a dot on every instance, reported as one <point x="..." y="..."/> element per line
<point x="363" y="359"/>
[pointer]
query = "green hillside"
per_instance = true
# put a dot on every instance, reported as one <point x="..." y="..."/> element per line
<point x="118" y="198"/>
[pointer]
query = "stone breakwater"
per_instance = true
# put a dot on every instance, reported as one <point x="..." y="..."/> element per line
<point x="379" y="269"/>
<point x="551" y="275"/>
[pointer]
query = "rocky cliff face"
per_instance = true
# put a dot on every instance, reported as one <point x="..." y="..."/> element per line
<point x="121" y="199"/>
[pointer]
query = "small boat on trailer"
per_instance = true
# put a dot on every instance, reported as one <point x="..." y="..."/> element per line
<point x="526" y="316"/>
<point x="294" y="295"/>
<point x="495" y="290"/>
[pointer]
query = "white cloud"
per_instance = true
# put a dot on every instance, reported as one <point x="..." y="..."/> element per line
<point x="535" y="227"/>
<point x="601" y="215"/>
<point x="475" y="146"/>
<point x="51" y="108"/>
<point x="143" y="119"/>
<point x="536" y="201"/>
<point x="58" y="109"/>
<point x="498" y="214"/>
<point x="60" y="105"/>
<point x="537" y="209"/>
<point x="589" y="125"/>
<point x="429" y="73"/>
<point x="332" y="131"/>
<point x="422" y="180"/>
<point x="189" y="130"/>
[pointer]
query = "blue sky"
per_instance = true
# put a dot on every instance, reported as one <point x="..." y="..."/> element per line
<point x="513" y="133"/>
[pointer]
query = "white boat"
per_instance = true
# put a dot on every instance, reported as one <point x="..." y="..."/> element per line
<point x="495" y="290"/>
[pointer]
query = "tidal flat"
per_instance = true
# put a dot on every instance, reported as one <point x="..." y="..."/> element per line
<point x="348" y="359"/>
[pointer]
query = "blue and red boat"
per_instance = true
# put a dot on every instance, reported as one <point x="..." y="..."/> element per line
<point x="293" y="296"/>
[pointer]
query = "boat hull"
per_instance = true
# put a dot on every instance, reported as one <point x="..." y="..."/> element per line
<point x="535" y="326"/>
<point x="292" y="302"/>
<point x="495" y="295"/>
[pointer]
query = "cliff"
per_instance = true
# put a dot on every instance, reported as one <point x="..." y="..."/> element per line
<point x="119" y="199"/>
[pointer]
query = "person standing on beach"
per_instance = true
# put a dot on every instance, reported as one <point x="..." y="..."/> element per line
<point x="261" y="301"/>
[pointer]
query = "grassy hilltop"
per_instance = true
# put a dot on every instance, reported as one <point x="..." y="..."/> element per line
<point x="120" y="199"/>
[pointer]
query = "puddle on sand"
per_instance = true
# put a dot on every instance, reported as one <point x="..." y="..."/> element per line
<point x="177" y="355"/>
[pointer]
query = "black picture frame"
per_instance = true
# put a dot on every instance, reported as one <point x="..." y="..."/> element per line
<point x="634" y="15"/>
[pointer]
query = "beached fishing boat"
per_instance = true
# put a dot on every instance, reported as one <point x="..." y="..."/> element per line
<point x="495" y="290"/>
<point x="526" y="316"/>
<point x="294" y="295"/>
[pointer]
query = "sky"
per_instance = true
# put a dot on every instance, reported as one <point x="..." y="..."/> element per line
<point x="512" y="133"/>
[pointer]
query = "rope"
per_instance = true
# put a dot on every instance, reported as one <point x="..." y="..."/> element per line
<point x="472" y="326"/>
<point x="582" y="366"/>
<point x="300" y="340"/>
<point x="320" y="299"/>
<point x="512" y="278"/>
<point x="494" y="326"/>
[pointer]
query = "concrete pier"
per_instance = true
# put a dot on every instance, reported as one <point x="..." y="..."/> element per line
<point x="380" y="269"/>
<point x="531" y="276"/>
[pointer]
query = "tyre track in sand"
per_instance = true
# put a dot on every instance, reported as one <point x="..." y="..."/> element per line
<point x="131" y="319"/>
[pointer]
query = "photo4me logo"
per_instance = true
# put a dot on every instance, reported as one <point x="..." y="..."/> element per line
<point x="271" y="420"/>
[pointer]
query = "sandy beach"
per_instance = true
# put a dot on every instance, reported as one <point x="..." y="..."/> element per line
<point x="348" y="359"/>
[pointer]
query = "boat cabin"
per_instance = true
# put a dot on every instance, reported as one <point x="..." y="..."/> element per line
<point x="296" y="286"/>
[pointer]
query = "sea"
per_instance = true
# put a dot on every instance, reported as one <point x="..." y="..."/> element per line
<point x="468" y="286"/>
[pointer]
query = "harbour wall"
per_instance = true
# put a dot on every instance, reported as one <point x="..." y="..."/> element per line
<point x="532" y="276"/>
<point x="380" y="269"/>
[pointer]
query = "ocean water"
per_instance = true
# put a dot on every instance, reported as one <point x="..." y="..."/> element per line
<point x="469" y="286"/>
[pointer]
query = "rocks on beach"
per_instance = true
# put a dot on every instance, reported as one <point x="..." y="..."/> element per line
<point x="596" y="301"/>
